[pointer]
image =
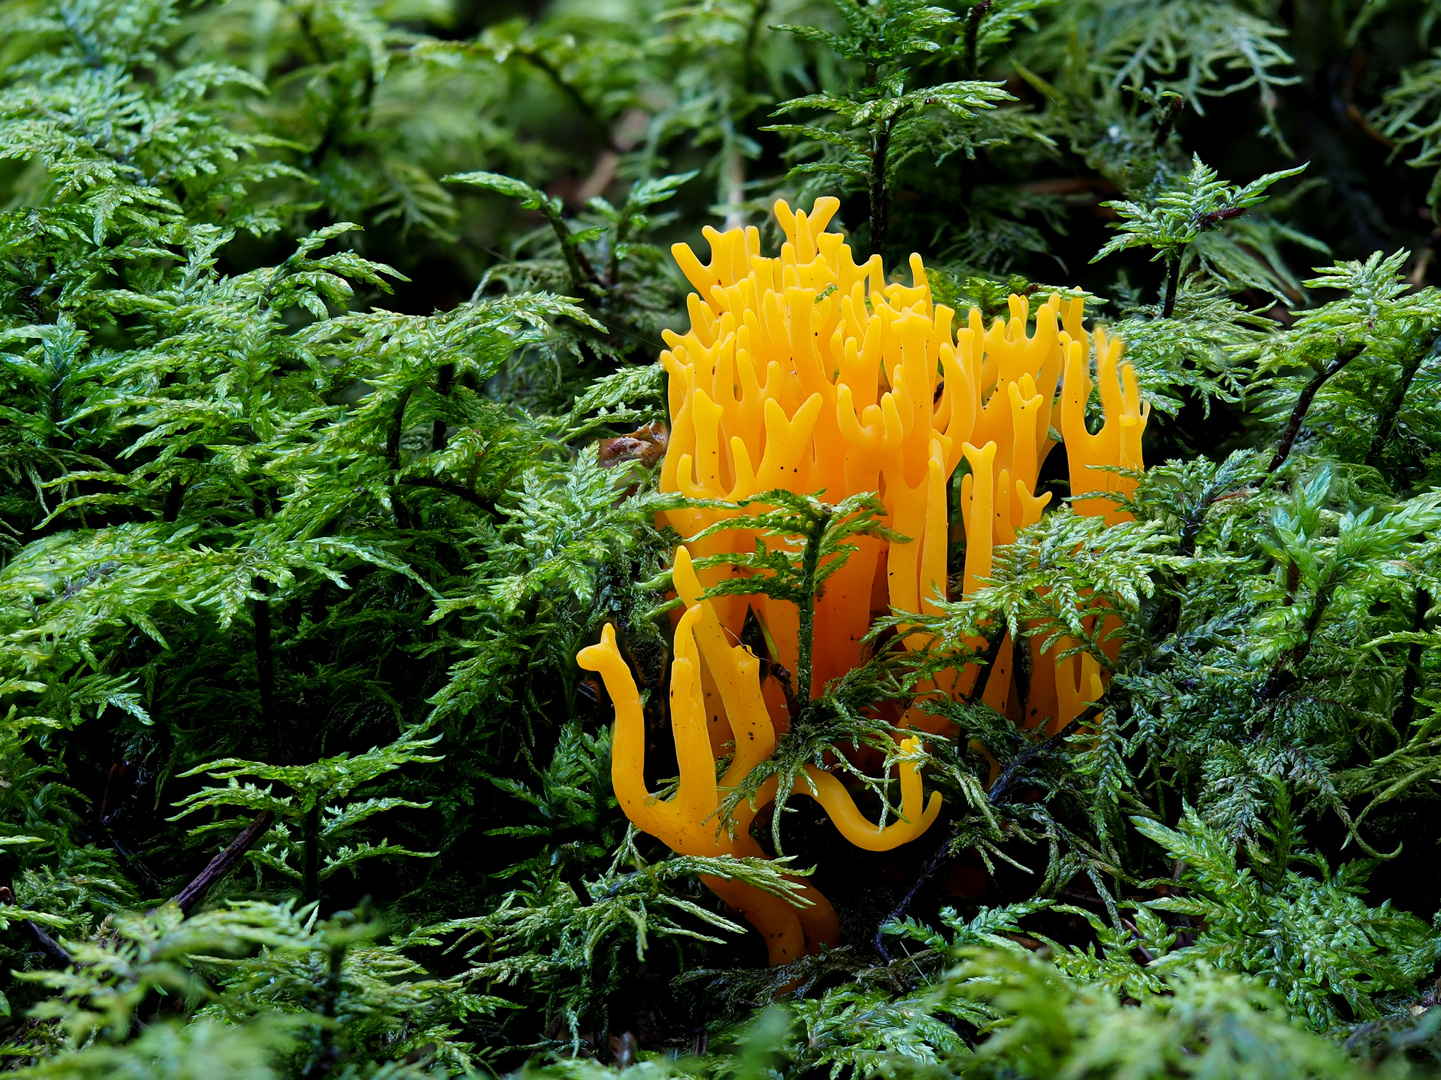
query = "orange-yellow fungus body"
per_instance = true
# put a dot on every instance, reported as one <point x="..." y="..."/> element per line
<point x="810" y="372"/>
<point x="689" y="821"/>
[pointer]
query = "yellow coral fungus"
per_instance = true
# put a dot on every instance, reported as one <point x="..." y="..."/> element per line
<point x="688" y="821"/>
<point x="834" y="381"/>
<point x="809" y="372"/>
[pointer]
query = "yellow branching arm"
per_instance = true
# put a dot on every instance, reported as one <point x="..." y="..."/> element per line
<point x="853" y="825"/>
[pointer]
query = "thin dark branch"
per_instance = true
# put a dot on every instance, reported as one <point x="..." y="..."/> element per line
<point x="1001" y="789"/>
<point x="1173" y="283"/>
<point x="584" y="107"/>
<point x="1192" y="523"/>
<point x="810" y="566"/>
<point x="1195" y="521"/>
<point x="1175" y="103"/>
<point x="1411" y="681"/>
<point x="998" y="793"/>
<point x="397" y="428"/>
<point x="583" y="278"/>
<point x="264" y="658"/>
<point x="56" y="952"/>
<point x="1344" y="356"/>
<point x="224" y="862"/>
<point x="782" y="676"/>
<point x="988" y="661"/>
<point x="444" y="380"/>
<point x="1393" y="407"/>
<point x="929" y="871"/>
<point x="131" y="860"/>
<point x="880" y="150"/>
<point x="748" y="50"/>
<point x="450" y="488"/>
<point x="1147" y="956"/>
<point x="310" y="834"/>
<point x="1285" y="672"/>
<point x="973" y="35"/>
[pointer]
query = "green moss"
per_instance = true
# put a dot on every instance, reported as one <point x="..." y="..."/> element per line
<point x="311" y="315"/>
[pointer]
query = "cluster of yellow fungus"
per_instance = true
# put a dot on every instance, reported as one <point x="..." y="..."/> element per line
<point x="809" y="372"/>
<point x="688" y="822"/>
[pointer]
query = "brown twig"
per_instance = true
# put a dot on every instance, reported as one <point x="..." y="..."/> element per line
<point x="47" y="944"/>
<point x="1147" y="956"/>
<point x="224" y="862"/>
